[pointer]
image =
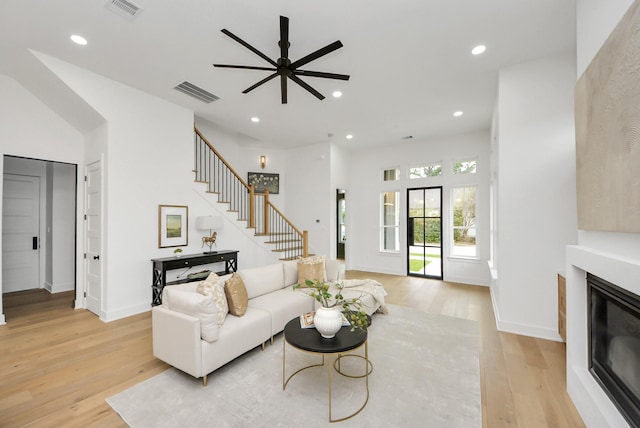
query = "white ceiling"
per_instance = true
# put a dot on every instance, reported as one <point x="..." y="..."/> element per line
<point x="409" y="60"/>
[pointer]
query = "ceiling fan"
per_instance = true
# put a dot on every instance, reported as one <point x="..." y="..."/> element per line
<point x="283" y="67"/>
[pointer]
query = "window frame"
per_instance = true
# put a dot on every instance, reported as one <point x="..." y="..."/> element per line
<point x="453" y="227"/>
<point x="395" y="168"/>
<point x="475" y="169"/>
<point x="384" y="226"/>
<point x="425" y="165"/>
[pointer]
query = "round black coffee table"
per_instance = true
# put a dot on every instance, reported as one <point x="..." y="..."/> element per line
<point x="341" y="346"/>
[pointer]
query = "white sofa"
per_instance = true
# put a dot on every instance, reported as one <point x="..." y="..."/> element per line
<point x="177" y="336"/>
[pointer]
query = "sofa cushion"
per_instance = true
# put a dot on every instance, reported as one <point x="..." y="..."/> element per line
<point x="187" y="286"/>
<point x="290" y="268"/>
<point x="198" y="306"/>
<point x="332" y="270"/>
<point x="214" y="286"/>
<point x="283" y="305"/>
<point x="311" y="268"/>
<point x="236" y="294"/>
<point x="262" y="280"/>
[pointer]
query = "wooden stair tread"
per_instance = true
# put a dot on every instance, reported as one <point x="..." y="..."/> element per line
<point x="283" y="250"/>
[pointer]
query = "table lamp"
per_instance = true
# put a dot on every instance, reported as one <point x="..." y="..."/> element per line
<point x="210" y="223"/>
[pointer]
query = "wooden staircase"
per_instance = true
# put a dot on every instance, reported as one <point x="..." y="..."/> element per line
<point x="254" y="208"/>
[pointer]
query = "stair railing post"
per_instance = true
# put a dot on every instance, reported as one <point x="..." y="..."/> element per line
<point x="266" y="212"/>
<point x="305" y="243"/>
<point x="252" y="206"/>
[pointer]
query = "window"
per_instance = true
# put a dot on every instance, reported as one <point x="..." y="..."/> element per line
<point x="464" y="221"/>
<point x="430" y="170"/>
<point x="390" y="229"/>
<point x="464" y="167"/>
<point x="391" y="174"/>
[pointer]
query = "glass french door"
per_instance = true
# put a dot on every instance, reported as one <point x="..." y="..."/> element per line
<point x="424" y="232"/>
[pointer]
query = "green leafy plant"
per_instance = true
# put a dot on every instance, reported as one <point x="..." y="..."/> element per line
<point x="352" y="308"/>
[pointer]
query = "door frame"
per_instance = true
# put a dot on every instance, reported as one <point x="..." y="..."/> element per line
<point x="409" y="220"/>
<point x="341" y="194"/>
<point x="87" y="256"/>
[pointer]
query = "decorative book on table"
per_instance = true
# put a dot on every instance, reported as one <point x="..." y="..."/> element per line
<point x="306" y="320"/>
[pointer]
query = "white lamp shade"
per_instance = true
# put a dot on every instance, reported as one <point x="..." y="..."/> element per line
<point x="208" y="222"/>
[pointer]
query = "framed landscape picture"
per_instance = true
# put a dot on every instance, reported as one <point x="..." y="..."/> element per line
<point x="173" y="226"/>
<point x="264" y="181"/>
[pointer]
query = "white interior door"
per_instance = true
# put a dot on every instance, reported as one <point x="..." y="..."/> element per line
<point x="93" y="234"/>
<point x="20" y="233"/>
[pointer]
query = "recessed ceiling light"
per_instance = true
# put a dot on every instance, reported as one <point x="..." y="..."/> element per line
<point x="458" y="113"/>
<point x="349" y="136"/>
<point x="478" y="49"/>
<point x="255" y="119"/>
<point x="337" y="94"/>
<point x="79" y="40"/>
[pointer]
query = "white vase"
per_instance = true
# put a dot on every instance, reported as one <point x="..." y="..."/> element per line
<point x="328" y="321"/>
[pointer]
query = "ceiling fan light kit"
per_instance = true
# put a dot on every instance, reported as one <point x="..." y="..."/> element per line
<point x="283" y="66"/>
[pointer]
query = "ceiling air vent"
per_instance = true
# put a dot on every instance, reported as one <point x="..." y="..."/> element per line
<point x="124" y="8"/>
<point x="196" y="92"/>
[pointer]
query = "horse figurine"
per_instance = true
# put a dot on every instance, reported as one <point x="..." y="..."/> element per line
<point x="210" y="240"/>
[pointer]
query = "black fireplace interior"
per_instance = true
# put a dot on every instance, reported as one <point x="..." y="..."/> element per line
<point x="614" y="344"/>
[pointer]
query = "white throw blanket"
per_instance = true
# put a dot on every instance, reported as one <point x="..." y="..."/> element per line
<point x="369" y="286"/>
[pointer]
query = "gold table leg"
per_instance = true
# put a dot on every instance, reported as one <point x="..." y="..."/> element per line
<point x="368" y="369"/>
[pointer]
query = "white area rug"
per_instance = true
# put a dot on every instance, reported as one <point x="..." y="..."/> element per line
<point x="425" y="374"/>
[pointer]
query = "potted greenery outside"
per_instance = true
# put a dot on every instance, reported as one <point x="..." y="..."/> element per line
<point x="177" y="252"/>
<point x="328" y="318"/>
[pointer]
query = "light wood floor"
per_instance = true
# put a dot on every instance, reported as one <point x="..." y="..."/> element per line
<point x="57" y="365"/>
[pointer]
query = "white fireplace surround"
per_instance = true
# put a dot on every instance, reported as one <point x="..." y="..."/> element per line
<point x="592" y="402"/>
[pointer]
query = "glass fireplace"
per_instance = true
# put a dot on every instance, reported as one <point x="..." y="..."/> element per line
<point x="614" y="344"/>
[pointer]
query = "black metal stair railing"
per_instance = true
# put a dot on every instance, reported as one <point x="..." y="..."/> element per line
<point x="254" y="208"/>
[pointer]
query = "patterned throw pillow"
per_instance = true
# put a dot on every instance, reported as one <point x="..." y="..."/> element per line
<point x="311" y="268"/>
<point x="237" y="297"/>
<point x="214" y="286"/>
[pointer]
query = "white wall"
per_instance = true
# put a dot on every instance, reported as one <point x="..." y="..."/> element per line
<point x="366" y="186"/>
<point x="63" y="224"/>
<point x="149" y="160"/>
<point x="339" y="169"/>
<point x="30" y="129"/>
<point x="611" y="256"/>
<point x="310" y="198"/>
<point x="146" y="148"/>
<point x="59" y="232"/>
<point x="243" y="154"/>
<point x="596" y="19"/>
<point x="536" y="184"/>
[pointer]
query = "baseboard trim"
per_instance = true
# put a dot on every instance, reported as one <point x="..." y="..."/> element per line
<point x="528" y="330"/>
<point x="108" y="316"/>
<point x="466" y="280"/>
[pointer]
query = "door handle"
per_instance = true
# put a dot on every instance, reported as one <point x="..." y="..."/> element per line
<point x="34" y="243"/>
<point x="96" y="257"/>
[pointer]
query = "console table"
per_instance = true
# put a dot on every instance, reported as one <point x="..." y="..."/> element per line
<point x="161" y="266"/>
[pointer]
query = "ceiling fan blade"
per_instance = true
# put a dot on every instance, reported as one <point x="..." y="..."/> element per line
<point x="263" y="81"/>
<point x="284" y="37"/>
<point x="248" y="46"/>
<point x="305" y="86"/>
<point x="244" y="67"/>
<point x="283" y="88"/>
<point x="315" y="55"/>
<point x="321" y="74"/>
